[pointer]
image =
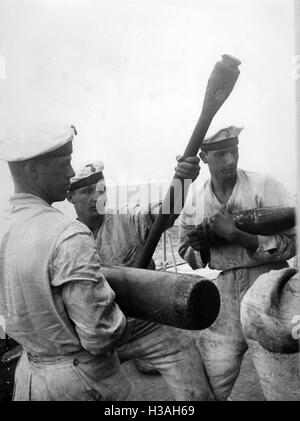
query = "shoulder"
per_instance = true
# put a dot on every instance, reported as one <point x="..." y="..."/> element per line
<point x="256" y="178"/>
<point x="68" y="221"/>
<point x="75" y="231"/>
<point x="135" y="210"/>
<point x="51" y="213"/>
<point x="113" y="218"/>
<point x="128" y="209"/>
<point x="269" y="189"/>
<point x="55" y="223"/>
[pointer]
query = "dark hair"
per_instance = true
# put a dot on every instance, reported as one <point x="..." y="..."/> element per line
<point x="17" y="168"/>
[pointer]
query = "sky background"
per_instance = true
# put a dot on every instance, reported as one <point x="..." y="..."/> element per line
<point x="131" y="76"/>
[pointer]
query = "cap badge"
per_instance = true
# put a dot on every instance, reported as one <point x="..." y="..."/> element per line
<point x="93" y="169"/>
<point x="227" y="132"/>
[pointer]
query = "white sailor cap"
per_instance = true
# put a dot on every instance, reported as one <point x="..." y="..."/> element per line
<point x="88" y="173"/>
<point x="48" y="140"/>
<point x="223" y="139"/>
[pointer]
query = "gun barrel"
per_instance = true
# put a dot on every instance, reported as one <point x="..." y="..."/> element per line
<point x="180" y="300"/>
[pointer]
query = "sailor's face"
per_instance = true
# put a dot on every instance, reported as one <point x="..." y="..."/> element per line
<point x="54" y="177"/>
<point x="101" y="197"/>
<point x="223" y="162"/>
<point x="85" y="200"/>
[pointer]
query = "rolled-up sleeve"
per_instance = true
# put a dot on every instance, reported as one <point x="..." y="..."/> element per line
<point x="87" y="296"/>
<point x="98" y="320"/>
<point x="281" y="246"/>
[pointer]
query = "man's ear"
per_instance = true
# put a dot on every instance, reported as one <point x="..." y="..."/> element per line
<point x="70" y="197"/>
<point x="32" y="170"/>
<point x="203" y="157"/>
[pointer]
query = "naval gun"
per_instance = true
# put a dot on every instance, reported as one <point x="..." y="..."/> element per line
<point x="181" y="300"/>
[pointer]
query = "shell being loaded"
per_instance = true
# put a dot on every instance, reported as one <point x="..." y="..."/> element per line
<point x="265" y="221"/>
<point x="270" y="309"/>
<point x="270" y="220"/>
<point x="180" y="300"/>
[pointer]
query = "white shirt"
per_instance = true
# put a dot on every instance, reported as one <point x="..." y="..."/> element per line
<point x="122" y="235"/>
<point x="252" y="190"/>
<point x="54" y="299"/>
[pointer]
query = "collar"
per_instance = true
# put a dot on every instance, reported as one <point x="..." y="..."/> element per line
<point x="26" y="198"/>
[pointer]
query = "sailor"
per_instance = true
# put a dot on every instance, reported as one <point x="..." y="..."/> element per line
<point x="55" y="301"/>
<point x="120" y="237"/>
<point x="241" y="260"/>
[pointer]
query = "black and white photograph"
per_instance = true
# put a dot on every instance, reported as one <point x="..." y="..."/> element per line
<point x="149" y="168"/>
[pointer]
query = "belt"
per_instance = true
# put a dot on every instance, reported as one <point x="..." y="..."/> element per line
<point x="102" y="366"/>
<point x="78" y="357"/>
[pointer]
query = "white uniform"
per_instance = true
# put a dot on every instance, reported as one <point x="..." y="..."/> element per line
<point x="123" y="234"/>
<point x="58" y="306"/>
<point x="223" y="345"/>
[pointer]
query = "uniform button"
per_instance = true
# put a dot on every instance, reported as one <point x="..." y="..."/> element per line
<point x="75" y="362"/>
